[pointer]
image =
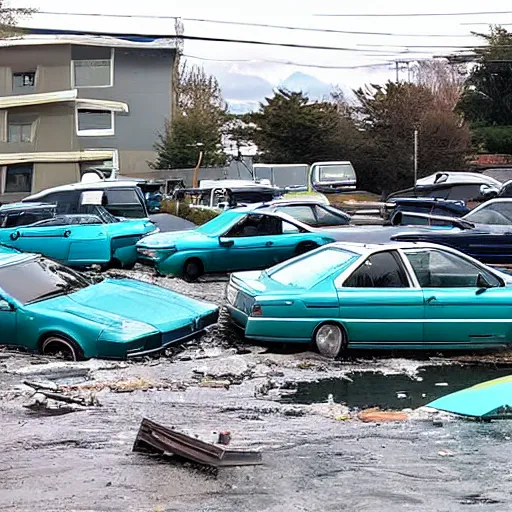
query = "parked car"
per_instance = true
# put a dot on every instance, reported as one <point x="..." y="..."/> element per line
<point x="237" y="239"/>
<point x="428" y="205"/>
<point x="312" y="213"/>
<point x="120" y="198"/>
<point x="73" y="239"/>
<point x="485" y="233"/>
<point x="48" y="308"/>
<point x="389" y="296"/>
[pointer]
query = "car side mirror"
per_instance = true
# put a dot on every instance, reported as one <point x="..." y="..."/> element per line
<point x="226" y="242"/>
<point x="482" y="284"/>
<point x="5" y="306"/>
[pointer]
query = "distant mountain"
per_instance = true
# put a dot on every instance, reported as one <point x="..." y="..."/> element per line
<point x="312" y="87"/>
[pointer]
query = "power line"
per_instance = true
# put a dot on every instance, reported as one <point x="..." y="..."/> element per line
<point x="377" y="64"/>
<point x="250" y="24"/>
<point x="411" y="14"/>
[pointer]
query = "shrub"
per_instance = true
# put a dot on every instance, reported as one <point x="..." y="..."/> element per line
<point x="182" y="209"/>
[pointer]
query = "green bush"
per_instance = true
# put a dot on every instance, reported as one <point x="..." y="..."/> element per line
<point x="493" y="139"/>
<point x="182" y="209"/>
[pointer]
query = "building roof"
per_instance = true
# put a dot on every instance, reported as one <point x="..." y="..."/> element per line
<point x="36" y="36"/>
<point x="86" y="155"/>
<point x="22" y="100"/>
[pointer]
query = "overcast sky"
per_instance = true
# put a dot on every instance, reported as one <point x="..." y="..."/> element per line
<point x="378" y="50"/>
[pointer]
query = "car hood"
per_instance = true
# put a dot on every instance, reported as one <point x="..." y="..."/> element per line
<point x="115" y="301"/>
<point x="131" y="227"/>
<point x="164" y="240"/>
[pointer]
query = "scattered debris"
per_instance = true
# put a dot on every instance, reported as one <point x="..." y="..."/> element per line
<point x="224" y="438"/>
<point x="207" y="383"/>
<point x="377" y="415"/>
<point x="156" y="438"/>
<point x="446" y="453"/>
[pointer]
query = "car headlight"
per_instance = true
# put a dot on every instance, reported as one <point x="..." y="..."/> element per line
<point x="231" y="294"/>
<point x="156" y="254"/>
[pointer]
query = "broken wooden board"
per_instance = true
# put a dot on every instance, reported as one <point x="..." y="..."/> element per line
<point x="156" y="438"/>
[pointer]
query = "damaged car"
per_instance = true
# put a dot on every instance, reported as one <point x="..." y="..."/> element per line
<point x="389" y="296"/>
<point x="51" y="309"/>
<point x="81" y="239"/>
<point x="238" y="239"/>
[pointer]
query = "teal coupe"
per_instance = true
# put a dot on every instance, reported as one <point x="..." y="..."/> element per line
<point x="397" y="295"/>
<point x="51" y="309"/>
<point x="95" y="237"/>
<point x="238" y="239"/>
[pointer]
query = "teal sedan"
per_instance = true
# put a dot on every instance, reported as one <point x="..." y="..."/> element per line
<point x="397" y="295"/>
<point x="84" y="239"/>
<point x="238" y="239"/>
<point x="51" y="309"/>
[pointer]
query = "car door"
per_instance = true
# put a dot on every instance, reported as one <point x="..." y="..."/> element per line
<point x="247" y="245"/>
<point x="8" y="317"/>
<point x="379" y="304"/>
<point x="458" y="311"/>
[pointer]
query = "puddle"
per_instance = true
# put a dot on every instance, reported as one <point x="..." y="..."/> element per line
<point x="370" y="389"/>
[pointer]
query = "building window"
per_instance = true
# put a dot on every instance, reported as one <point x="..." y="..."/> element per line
<point x="20" y="132"/>
<point x="94" y="122"/>
<point x="18" y="178"/>
<point x="23" y="82"/>
<point x="92" y="67"/>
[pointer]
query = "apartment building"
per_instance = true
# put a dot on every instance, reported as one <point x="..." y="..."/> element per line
<point x="71" y="101"/>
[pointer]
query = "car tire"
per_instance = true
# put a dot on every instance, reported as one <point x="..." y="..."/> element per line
<point x="193" y="269"/>
<point x="330" y="340"/>
<point x="305" y="247"/>
<point x="61" y="346"/>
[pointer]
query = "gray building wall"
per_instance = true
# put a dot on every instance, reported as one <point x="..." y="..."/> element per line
<point x="143" y="80"/>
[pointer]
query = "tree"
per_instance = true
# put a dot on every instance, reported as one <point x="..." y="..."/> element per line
<point x="196" y="125"/>
<point x="487" y="98"/>
<point x="389" y="115"/>
<point x="291" y="129"/>
<point x="9" y="17"/>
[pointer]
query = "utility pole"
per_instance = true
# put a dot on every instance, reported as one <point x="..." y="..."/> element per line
<point x="415" y="156"/>
<point x="396" y="69"/>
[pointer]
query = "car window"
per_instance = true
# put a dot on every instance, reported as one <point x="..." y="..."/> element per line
<point x="67" y="202"/>
<point x="381" y="270"/>
<point x="493" y="213"/>
<point x="289" y="229"/>
<point x="465" y="192"/>
<point x="439" y="269"/>
<point x="309" y="270"/>
<point x="256" y="225"/>
<point x="18" y="219"/>
<point x="330" y="217"/>
<point x="302" y="213"/>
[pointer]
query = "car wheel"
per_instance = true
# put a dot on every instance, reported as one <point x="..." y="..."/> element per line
<point x="330" y="340"/>
<point x="62" y="348"/>
<point x="193" y="269"/>
<point x="304" y="247"/>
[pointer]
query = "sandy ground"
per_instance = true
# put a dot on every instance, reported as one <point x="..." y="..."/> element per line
<point x="317" y="456"/>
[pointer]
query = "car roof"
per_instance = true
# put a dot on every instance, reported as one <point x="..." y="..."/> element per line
<point x="365" y="249"/>
<point x="25" y="206"/>
<point x="97" y="185"/>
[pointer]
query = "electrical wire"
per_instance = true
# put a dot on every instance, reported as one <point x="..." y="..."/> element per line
<point x="411" y="14"/>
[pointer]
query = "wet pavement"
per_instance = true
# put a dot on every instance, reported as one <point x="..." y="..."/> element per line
<point x="317" y="455"/>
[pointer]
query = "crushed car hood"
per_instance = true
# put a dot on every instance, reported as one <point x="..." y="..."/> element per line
<point x="115" y="300"/>
<point x="163" y="240"/>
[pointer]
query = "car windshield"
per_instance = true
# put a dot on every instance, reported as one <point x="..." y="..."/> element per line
<point x="308" y="271"/>
<point x="336" y="172"/>
<point x="220" y="224"/>
<point x="38" y="279"/>
<point x="493" y="213"/>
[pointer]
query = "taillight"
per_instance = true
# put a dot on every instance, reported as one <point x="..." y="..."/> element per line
<point x="256" y="310"/>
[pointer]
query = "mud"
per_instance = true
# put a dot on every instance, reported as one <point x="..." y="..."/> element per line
<point x="314" y="457"/>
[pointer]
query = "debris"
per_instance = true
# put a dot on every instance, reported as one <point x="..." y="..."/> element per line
<point x="437" y="422"/>
<point x="224" y="438"/>
<point x="377" y="415"/>
<point x="156" y="438"/>
<point x="57" y="395"/>
<point x="446" y="453"/>
<point x="441" y="384"/>
<point x="401" y="394"/>
<point x="207" y="383"/>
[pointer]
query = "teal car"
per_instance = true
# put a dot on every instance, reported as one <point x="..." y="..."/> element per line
<point x="51" y="309"/>
<point x="238" y="239"/>
<point x="92" y="237"/>
<point x="390" y="296"/>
